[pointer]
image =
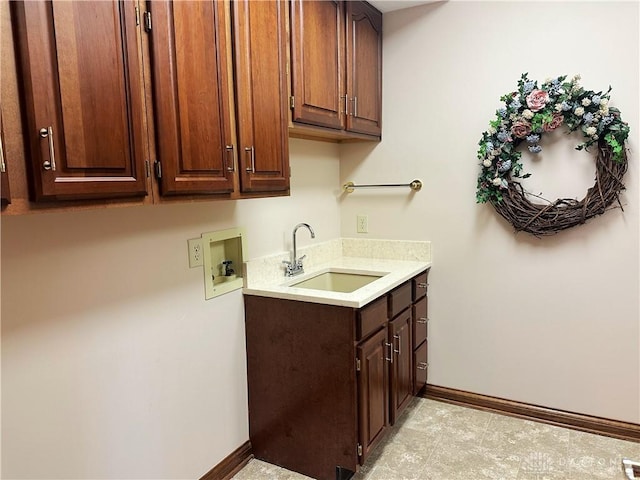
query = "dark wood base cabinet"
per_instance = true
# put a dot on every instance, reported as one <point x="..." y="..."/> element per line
<point x="325" y="382"/>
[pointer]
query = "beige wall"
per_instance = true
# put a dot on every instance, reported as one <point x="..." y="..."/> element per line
<point x="113" y="364"/>
<point x="552" y="321"/>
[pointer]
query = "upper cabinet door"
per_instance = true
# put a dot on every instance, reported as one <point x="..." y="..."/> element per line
<point x="364" y="68"/>
<point x="5" y="194"/>
<point x="317" y="59"/>
<point x="261" y="95"/>
<point x="191" y="79"/>
<point x="81" y="74"/>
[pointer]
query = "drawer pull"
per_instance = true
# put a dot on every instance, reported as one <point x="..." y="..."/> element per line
<point x="422" y="366"/>
<point x="423" y="285"/>
<point x="422" y="320"/>
<point x="390" y="357"/>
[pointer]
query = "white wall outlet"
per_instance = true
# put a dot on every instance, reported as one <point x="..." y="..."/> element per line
<point x="362" y="224"/>
<point x="196" y="255"/>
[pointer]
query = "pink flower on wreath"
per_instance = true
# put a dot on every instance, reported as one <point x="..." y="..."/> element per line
<point x="521" y="128"/>
<point x="555" y="122"/>
<point x="537" y="99"/>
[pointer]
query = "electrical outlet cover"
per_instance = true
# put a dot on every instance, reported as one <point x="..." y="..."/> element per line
<point x="362" y="225"/>
<point x="196" y="254"/>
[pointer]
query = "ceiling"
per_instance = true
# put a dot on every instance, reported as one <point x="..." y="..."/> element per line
<point x="391" y="5"/>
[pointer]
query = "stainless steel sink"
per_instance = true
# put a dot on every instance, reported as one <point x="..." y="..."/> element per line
<point x="336" y="281"/>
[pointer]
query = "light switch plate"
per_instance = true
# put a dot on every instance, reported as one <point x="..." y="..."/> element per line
<point x="196" y="255"/>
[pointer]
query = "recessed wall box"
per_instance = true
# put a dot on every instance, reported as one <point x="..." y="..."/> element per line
<point x="223" y="257"/>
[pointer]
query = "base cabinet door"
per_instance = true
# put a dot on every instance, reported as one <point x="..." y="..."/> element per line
<point x="81" y="70"/>
<point x="401" y="378"/>
<point x="373" y="388"/>
<point x="420" y="367"/>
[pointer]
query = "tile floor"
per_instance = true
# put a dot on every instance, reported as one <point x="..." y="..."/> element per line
<point x="437" y="441"/>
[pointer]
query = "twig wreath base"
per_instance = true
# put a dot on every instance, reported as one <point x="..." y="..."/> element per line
<point x="529" y="113"/>
<point x="540" y="219"/>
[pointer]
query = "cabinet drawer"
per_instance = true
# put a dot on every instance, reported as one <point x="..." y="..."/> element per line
<point x="419" y="284"/>
<point x="371" y="317"/>
<point x="420" y="367"/>
<point x="420" y="321"/>
<point x="399" y="299"/>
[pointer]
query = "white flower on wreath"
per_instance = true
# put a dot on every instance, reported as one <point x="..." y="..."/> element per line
<point x="486" y="163"/>
<point x="497" y="181"/>
<point x="604" y="110"/>
<point x="604" y="102"/>
<point x="528" y="114"/>
<point x="579" y="111"/>
<point x="591" y="131"/>
<point x="586" y="102"/>
<point x="492" y="130"/>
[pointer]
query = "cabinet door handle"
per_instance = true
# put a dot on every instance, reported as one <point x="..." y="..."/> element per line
<point x="355" y="106"/>
<point x="423" y="285"/>
<point x="252" y="158"/>
<point x="422" y="366"/>
<point x="230" y="162"/>
<point x="3" y="165"/>
<point x="422" y="320"/>
<point x="399" y="350"/>
<point x="390" y="358"/>
<point x="51" y="163"/>
<point x="346" y="103"/>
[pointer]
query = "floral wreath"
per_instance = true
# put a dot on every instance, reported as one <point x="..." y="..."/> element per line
<point x="528" y="113"/>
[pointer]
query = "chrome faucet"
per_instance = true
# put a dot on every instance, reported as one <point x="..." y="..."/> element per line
<point x="294" y="267"/>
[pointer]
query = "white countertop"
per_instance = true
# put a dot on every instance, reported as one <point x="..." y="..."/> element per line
<point x="396" y="272"/>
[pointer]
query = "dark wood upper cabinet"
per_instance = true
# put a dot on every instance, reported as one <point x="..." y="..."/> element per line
<point x="317" y="59"/>
<point x="336" y="69"/>
<point x="259" y="32"/>
<point x="209" y="139"/>
<point x="81" y="72"/>
<point x="191" y="79"/>
<point x="5" y="193"/>
<point x="364" y="68"/>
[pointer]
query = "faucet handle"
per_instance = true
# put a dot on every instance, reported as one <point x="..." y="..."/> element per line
<point x="299" y="260"/>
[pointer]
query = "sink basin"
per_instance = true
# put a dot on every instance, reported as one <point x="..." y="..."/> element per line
<point x="345" y="282"/>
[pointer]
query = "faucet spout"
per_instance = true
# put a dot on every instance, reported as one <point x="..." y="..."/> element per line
<point x="294" y="267"/>
<point x="294" y="257"/>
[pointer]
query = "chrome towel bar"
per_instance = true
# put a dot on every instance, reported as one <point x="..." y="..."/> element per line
<point x="415" y="185"/>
